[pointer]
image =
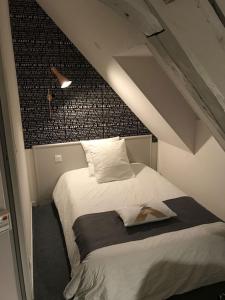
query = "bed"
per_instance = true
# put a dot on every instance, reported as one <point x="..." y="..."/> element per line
<point x="154" y="267"/>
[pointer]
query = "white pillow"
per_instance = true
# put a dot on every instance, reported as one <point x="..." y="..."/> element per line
<point x="111" y="162"/>
<point x="146" y="213"/>
<point x="88" y="147"/>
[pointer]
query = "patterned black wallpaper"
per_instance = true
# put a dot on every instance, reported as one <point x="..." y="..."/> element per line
<point x="88" y="109"/>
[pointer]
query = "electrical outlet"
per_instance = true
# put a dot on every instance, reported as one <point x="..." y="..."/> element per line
<point x="58" y="158"/>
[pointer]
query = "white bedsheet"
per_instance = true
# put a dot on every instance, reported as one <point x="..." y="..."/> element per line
<point x="105" y="273"/>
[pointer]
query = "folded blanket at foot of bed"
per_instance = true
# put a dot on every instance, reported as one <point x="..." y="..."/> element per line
<point x="98" y="230"/>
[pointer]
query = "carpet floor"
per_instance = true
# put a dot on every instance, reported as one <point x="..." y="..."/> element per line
<point x="51" y="265"/>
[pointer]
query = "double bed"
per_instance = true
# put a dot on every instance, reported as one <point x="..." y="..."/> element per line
<point x="154" y="267"/>
<point x="110" y="261"/>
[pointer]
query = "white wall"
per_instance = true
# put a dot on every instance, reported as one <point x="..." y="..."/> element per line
<point x="166" y="99"/>
<point x="2" y="200"/>
<point x="201" y="175"/>
<point x="32" y="176"/>
<point x="14" y="134"/>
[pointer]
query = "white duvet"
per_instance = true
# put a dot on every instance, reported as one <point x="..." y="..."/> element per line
<point x="153" y="268"/>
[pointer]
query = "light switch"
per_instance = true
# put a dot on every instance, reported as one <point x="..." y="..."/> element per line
<point x="58" y="158"/>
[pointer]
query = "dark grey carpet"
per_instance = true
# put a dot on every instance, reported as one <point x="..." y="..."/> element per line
<point x="51" y="267"/>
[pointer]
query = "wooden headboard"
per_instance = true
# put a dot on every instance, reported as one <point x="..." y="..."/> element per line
<point x="48" y="170"/>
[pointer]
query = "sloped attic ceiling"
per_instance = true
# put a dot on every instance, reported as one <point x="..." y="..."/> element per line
<point x="185" y="50"/>
<point x="103" y="36"/>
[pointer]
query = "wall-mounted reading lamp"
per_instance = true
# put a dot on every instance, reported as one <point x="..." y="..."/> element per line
<point x="64" y="83"/>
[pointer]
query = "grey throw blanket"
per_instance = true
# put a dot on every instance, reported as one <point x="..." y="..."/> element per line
<point x="94" y="231"/>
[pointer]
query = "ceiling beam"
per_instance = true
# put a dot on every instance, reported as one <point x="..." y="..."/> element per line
<point x="205" y="98"/>
<point x="219" y="10"/>
<point x="137" y="13"/>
